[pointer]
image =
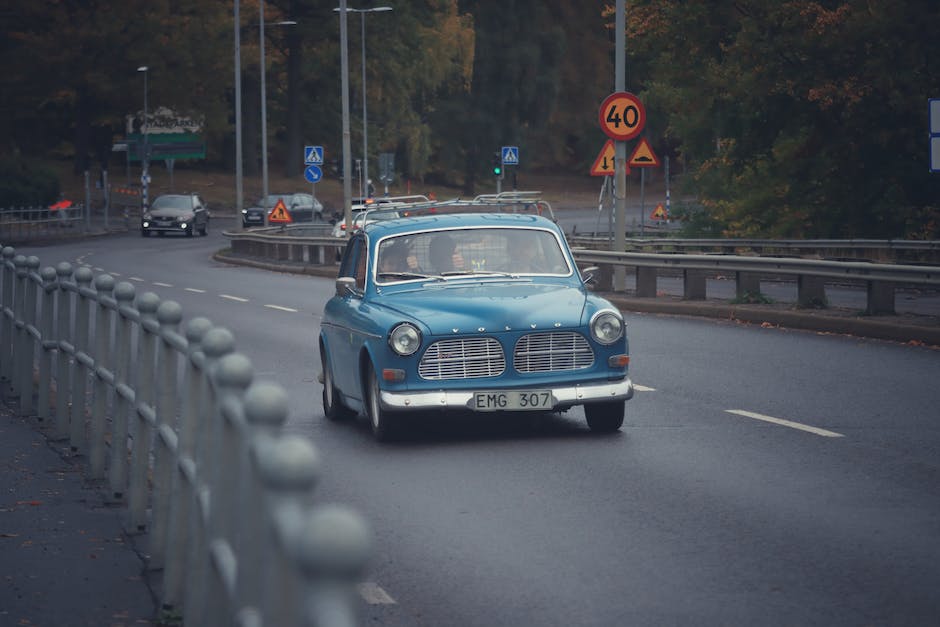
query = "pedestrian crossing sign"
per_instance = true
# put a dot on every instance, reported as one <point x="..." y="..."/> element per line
<point x="510" y="155"/>
<point x="313" y="155"/>
<point x="279" y="213"/>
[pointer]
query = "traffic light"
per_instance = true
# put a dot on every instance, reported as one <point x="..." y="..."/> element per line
<point x="497" y="164"/>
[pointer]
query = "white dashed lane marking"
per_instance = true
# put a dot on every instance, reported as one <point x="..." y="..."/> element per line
<point x="786" y="423"/>
<point x="193" y="289"/>
<point x="162" y="284"/>
<point x="136" y="278"/>
<point x="235" y="298"/>
<point x="374" y="594"/>
<point x="643" y="388"/>
<point x="279" y="308"/>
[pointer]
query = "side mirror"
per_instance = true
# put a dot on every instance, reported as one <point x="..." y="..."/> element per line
<point x="587" y="275"/>
<point x="345" y="286"/>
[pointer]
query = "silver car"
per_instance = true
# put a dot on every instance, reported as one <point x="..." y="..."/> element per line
<point x="176" y="213"/>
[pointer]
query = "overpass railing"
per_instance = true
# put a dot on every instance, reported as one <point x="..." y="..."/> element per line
<point x="175" y="429"/>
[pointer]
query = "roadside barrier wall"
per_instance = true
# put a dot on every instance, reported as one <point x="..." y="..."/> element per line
<point x="176" y="431"/>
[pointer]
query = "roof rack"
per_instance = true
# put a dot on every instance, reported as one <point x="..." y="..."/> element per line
<point x="505" y="202"/>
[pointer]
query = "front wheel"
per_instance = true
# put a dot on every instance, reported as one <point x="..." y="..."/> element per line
<point x="333" y="408"/>
<point x="605" y="417"/>
<point x="382" y="422"/>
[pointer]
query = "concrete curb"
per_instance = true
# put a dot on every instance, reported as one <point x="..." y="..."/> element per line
<point x="893" y="328"/>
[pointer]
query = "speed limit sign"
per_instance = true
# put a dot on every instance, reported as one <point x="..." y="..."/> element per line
<point x="622" y="116"/>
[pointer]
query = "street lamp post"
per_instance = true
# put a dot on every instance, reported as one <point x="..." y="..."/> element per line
<point x="239" y="177"/>
<point x="365" y="119"/>
<point x="264" y="111"/>
<point x="145" y="158"/>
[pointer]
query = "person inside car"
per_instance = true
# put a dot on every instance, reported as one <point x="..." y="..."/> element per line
<point x="396" y="257"/>
<point x="443" y="255"/>
<point x="524" y="254"/>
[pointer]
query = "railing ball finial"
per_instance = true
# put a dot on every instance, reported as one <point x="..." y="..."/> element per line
<point x="196" y="329"/>
<point x="84" y="275"/>
<point x="335" y="542"/>
<point x="169" y="313"/>
<point x="218" y="341"/>
<point x="234" y="371"/>
<point x="147" y="303"/>
<point x="266" y="404"/>
<point x="124" y="292"/>
<point x="63" y="269"/>
<point x="104" y="283"/>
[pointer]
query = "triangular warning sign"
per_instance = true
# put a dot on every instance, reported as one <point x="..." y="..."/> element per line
<point x="643" y="156"/>
<point x="604" y="164"/>
<point x="659" y="213"/>
<point x="280" y="214"/>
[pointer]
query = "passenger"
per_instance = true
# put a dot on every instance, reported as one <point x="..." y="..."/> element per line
<point x="524" y="254"/>
<point x="394" y="257"/>
<point x="443" y="255"/>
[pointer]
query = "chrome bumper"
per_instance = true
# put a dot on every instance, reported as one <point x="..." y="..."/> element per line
<point x="460" y="399"/>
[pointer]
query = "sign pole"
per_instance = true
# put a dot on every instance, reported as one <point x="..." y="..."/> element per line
<point x="620" y="150"/>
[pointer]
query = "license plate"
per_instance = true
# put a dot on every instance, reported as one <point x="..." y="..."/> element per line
<point x="512" y="400"/>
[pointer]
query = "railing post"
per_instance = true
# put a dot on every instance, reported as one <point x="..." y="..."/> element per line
<point x="645" y="281"/>
<point x="746" y="283"/>
<point x="880" y="298"/>
<point x="104" y="376"/>
<point x="124" y="395"/>
<point x="8" y="275"/>
<point x="288" y="468"/>
<point x="83" y="362"/>
<point x="231" y="375"/>
<point x="185" y="478"/>
<point x="19" y="326"/>
<point x="166" y="448"/>
<point x="810" y="291"/>
<point x="148" y="329"/>
<point x="266" y="410"/>
<point x="216" y="343"/>
<point x="31" y="336"/>
<point x="64" y="353"/>
<point x="331" y="550"/>
<point x="693" y="285"/>
<point x="49" y="345"/>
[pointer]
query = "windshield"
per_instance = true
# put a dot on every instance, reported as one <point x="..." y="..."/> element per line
<point x="179" y="204"/>
<point x="502" y="251"/>
<point x="272" y="200"/>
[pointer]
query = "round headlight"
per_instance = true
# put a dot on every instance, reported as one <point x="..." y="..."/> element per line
<point x="607" y="326"/>
<point x="404" y="339"/>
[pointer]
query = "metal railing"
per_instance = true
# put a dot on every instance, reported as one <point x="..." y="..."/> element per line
<point x="858" y="249"/>
<point x="811" y="275"/>
<point x="24" y="223"/>
<point x="175" y="429"/>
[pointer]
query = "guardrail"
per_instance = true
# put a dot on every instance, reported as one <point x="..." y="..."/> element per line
<point x="927" y="251"/>
<point x="22" y="223"/>
<point x="178" y="429"/>
<point x="811" y="275"/>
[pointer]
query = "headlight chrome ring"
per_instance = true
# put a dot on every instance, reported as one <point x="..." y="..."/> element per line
<point x="404" y="339"/>
<point x="607" y="326"/>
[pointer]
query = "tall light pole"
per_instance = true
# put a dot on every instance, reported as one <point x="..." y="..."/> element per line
<point x="365" y="118"/>
<point x="239" y="175"/>
<point x="145" y="158"/>
<point x="264" y="111"/>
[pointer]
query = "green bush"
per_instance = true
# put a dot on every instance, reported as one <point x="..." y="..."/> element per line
<point x="25" y="183"/>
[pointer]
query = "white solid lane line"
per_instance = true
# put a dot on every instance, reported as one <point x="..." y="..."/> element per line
<point x="786" y="423"/>
<point x="279" y="308"/>
<point x="236" y="298"/>
<point x="374" y="594"/>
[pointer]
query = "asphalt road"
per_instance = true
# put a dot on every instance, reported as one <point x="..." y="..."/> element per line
<point x="763" y="476"/>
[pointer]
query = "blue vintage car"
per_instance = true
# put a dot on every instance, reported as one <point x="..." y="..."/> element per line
<point x="485" y="312"/>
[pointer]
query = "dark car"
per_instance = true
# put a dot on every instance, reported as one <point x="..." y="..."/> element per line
<point x="301" y="207"/>
<point x="176" y="213"/>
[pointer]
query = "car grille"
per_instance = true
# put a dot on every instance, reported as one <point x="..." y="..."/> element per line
<point x="470" y="358"/>
<point x="552" y="352"/>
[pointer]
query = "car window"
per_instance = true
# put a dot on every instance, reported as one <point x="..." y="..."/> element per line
<point x="501" y="250"/>
<point x="354" y="261"/>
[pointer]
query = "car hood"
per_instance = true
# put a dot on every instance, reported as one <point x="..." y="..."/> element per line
<point x="169" y="212"/>
<point x="501" y="307"/>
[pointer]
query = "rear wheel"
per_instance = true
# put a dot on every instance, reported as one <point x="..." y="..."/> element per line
<point x="333" y="408"/>
<point x="605" y="417"/>
<point x="382" y="422"/>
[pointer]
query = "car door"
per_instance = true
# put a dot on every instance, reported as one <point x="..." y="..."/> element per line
<point x="345" y="325"/>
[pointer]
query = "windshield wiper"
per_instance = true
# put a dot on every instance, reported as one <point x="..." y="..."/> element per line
<point x="403" y="275"/>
